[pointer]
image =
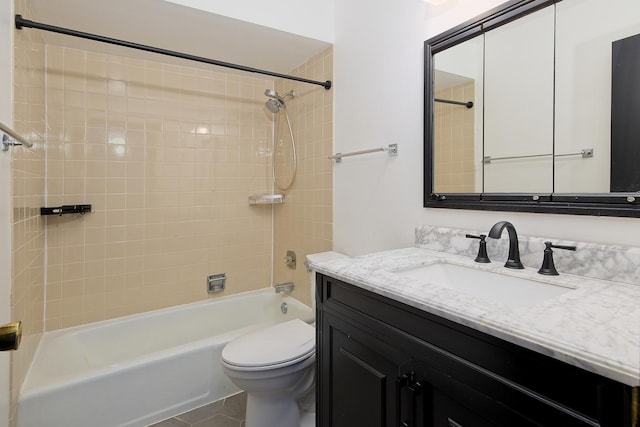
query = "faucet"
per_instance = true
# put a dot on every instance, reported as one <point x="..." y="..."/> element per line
<point x="284" y="287"/>
<point x="513" y="260"/>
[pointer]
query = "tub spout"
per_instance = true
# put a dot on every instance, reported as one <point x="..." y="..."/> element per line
<point x="284" y="287"/>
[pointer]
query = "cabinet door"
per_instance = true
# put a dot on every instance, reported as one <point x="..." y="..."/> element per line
<point x="358" y="377"/>
<point x="457" y="393"/>
<point x="446" y="412"/>
<point x="433" y="398"/>
<point x="422" y="404"/>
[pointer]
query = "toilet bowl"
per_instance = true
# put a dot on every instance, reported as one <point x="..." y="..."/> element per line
<point x="275" y="365"/>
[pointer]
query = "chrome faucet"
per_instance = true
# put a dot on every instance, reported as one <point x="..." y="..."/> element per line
<point x="513" y="260"/>
<point x="284" y="287"/>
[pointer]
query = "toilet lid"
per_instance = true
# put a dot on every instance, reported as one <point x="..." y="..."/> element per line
<point x="281" y="344"/>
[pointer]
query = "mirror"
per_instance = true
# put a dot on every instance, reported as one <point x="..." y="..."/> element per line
<point x="533" y="107"/>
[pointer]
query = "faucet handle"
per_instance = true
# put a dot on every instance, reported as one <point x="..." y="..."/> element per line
<point x="551" y="245"/>
<point x="548" y="268"/>
<point x="482" y="256"/>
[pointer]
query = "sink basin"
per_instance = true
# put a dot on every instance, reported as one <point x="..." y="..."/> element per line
<point x="500" y="288"/>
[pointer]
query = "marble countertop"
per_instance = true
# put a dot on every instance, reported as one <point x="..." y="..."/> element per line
<point x="595" y="325"/>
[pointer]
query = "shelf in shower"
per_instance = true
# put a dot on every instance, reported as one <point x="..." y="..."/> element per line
<point x="67" y="209"/>
<point x="266" y="199"/>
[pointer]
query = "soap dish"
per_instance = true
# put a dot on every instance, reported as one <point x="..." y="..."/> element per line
<point x="266" y="199"/>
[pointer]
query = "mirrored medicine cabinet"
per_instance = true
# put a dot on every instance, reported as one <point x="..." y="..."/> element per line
<point x="535" y="106"/>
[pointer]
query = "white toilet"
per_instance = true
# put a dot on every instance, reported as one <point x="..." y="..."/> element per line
<point x="275" y="365"/>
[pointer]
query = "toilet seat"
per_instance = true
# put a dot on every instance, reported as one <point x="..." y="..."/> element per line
<point x="271" y="347"/>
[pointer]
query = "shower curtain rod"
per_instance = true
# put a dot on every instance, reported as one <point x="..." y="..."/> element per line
<point x="448" y="101"/>
<point x="20" y="23"/>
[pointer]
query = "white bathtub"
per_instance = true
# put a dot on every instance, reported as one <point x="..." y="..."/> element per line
<point x="140" y="369"/>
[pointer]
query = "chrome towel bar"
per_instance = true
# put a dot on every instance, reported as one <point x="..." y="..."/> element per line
<point x="392" y="149"/>
<point x="585" y="153"/>
<point x="11" y="138"/>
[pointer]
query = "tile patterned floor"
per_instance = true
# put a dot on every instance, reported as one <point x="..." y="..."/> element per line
<point x="229" y="412"/>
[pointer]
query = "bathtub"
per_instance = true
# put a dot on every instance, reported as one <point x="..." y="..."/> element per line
<point x="140" y="369"/>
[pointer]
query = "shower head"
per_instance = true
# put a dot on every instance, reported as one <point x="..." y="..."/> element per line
<point x="272" y="94"/>
<point x="274" y="105"/>
<point x="276" y="102"/>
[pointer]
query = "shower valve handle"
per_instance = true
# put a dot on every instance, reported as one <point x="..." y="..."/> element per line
<point x="290" y="260"/>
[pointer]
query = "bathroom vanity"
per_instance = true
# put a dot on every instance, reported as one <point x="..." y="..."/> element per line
<point x="400" y="351"/>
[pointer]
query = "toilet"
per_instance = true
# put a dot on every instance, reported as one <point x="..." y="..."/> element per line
<point x="275" y="365"/>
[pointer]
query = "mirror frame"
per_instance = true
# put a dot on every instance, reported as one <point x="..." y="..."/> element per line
<point x="598" y="204"/>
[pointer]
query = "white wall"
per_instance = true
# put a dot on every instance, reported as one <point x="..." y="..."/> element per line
<point x="518" y="65"/>
<point x="309" y="18"/>
<point x="379" y="100"/>
<point x="6" y="30"/>
<point x="586" y="29"/>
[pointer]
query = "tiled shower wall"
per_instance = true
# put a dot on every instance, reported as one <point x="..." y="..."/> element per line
<point x="304" y="222"/>
<point x="454" y="149"/>
<point x="27" y="195"/>
<point x="167" y="155"/>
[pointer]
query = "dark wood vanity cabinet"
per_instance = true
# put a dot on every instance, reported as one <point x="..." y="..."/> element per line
<point x="383" y="363"/>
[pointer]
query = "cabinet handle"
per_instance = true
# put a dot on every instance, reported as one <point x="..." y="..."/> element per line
<point x="415" y="407"/>
<point x="407" y="418"/>
<point x="401" y="383"/>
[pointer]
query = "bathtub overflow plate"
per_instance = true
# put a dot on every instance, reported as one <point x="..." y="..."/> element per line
<point x="284" y="308"/>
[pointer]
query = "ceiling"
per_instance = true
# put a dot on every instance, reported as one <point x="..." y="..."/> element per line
<point x="173" y="27"/>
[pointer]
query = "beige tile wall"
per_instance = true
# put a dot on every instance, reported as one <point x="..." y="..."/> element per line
<point x="167" y="156"/>
<point x="27" y="196"/>
<point x="304" y="222"/>
<point x="454" y="141"/>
